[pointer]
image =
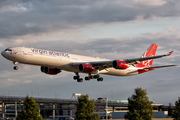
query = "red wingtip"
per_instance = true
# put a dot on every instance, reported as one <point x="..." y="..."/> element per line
<point x="170" y="52"/>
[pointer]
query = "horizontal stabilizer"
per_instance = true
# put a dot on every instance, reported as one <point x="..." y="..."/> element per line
<point x="159" y="67"/>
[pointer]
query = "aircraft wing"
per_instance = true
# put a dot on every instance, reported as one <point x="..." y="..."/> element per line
<point x="108" y="64"/>
<point x="137" y="60"/>
<point x="105" y="64"/>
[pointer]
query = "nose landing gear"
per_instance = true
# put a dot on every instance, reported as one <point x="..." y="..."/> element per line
<point x="15" y="67"/>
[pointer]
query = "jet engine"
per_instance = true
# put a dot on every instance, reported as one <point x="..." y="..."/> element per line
<point x="120" y="64"/>
<point x="87" y="68"/>
<point x="50" y="70"/>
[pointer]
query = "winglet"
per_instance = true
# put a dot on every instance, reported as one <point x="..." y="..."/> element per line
<point x="170" y="52"/>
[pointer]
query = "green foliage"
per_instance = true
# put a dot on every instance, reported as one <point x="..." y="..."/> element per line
<point x="139" y="106"/>
<point x="30" y="111"/>
<point x="170" y="109"/>
<point x="176" y="112"/>
<point x="85" y="109"/>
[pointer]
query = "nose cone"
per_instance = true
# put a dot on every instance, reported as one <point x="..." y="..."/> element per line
<point x="3" y="53"/>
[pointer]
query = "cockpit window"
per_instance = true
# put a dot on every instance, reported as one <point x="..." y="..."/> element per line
<point x="8" y="49"/>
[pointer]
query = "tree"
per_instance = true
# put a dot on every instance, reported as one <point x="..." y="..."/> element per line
<point x="85" y="109"/>
<point x="176" y="112"/>
<point x="139" y="106"/>
<point x="170" y="109"/>
<point x="30" y="111"/>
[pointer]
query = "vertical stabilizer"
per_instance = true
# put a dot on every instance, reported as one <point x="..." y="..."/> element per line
<point x="150" y="52"/>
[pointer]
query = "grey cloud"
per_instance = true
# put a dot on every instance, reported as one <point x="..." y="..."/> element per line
<point x="47" y="16"/>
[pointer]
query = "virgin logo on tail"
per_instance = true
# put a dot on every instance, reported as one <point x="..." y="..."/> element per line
<point x="150" y="52"/>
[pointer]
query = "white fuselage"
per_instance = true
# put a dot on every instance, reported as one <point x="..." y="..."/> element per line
<point x="59" y="60"/>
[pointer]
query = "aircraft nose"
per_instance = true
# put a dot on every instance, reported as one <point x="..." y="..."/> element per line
<point x="3" y="53"/>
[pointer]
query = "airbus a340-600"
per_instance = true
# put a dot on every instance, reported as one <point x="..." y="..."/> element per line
<point x="52" y="62"/>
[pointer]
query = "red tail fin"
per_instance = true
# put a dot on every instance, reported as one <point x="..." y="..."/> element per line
<point x="150" y="52"/>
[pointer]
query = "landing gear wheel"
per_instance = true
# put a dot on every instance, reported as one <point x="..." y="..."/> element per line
<point x="16" y="68"/>
<point x="95" y="76"/>
<point x="87" y="78"/>
<point x="91" y="77"/>
<point x="100" y="79"/>
<point x="80" y="80"/>
<point x="76" y="77"/>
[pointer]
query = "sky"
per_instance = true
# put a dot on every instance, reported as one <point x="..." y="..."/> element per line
<point x="112" y="29"/>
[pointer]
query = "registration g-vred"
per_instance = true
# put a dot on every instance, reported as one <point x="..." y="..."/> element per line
<point x="52" y="62"/>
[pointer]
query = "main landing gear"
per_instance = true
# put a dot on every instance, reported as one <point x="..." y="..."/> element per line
<point x="77" y="77"/>
<point x="87" y="78"/>
<point x="15" y="67"/>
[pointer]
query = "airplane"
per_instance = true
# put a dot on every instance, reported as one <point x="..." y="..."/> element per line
<point x="52" y="62"/>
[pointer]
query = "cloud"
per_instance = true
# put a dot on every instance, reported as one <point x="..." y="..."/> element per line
<point x="27" y="81"/>
<point x="13" y="80"/>
<point x="151" y="3"/>
<point x="33" y="17"/>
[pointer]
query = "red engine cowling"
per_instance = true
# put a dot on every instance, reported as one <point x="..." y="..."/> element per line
<point x="120" y="64"/>
<point x="87" y="68"/>
<point x="50" y="70"/>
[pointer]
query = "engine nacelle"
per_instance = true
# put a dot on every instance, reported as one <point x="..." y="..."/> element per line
<point x="87" y="68"/>
<point x="120" y="64"/>
<point x="50" y="70"/>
